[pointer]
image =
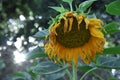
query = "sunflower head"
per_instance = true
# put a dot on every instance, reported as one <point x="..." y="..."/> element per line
<point x="70" y="33"/>
<point x="73" y="37"/>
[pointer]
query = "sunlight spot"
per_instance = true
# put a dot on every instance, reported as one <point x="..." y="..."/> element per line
<point x="113" y="71"/>
<point x="21" y="26"/>
<point x="31" y="17"/>
<point x="25" y="43"/>
<point x="9" y="43"/>
<point x="11" y="38"/>
<point x="15" y="28"/>
<point x="31" y="39"/>
<point x="118" y="77"/>
<point x="18" y="43"/>
<point x="36" y="25"/>
<point x="0" y="54"/>
<point x="22" y="18"/>
<point x="0" y="48"/>
<point x="41" y="44"/>
<point x="31" y="48"/>
<point x="118" y="28"/>
<point x="36" y="42"/>
<point x="4" y="48"/>
<point x="19" y="57"/>
<point x="22" y="37"/>
<point x="31" y="61"/>
<point x="40" y="28"/>
<point x="40" y="17"/>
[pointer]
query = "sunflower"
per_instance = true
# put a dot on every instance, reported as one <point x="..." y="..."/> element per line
<point x="74" y="37"/>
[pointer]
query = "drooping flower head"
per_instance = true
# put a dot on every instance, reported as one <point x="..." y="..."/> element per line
<point x="74" y="37"/>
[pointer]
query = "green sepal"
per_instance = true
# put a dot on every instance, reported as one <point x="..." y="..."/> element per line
<point x="55" y="20"/>
<point x="59" y="9"/>
<point x="85" y="5"/>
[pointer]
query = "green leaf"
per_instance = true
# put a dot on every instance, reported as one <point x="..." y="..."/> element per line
<point x="55" y="76"/>
<point x="108" y="62"/>
<point x="84" y="67"/>
<point x="42" y="33"/>
<point x="114" y="50"/>
<point x="21" y="75"/>
<point x="10" y="78"/>
<point x="86" y="4"/>
<point x="18" y="78"/>
<point x="112" y="78"/>
<point x="33" y="75"/>
<point x="68" y="1"/>
<point x="52" y="22"/>
<point x="35" y="53"/>
<point x="2" y="64"/>
<point x="113" y="8"/>
<point x="111" y="28"/>
<point x="59" y="9"/>
<point x="48" y="68"/>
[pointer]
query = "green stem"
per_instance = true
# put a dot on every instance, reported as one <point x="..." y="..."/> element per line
<point x="96" y="75"/>
<point x="87" y="73"/>
<point x="69" y="74"/>
<point x="74" y="71"/>
<point x="71" y="9"/>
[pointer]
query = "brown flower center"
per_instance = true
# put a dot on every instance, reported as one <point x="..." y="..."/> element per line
<point x="74" y="38"/>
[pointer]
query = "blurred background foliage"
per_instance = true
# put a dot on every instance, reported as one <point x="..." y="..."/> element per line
<point x="21" y="19"/>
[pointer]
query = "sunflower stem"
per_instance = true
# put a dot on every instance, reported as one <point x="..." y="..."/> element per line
<point x="74" y="71"/>
<point x="69" y="74"/>
<point x="87" y="73"/>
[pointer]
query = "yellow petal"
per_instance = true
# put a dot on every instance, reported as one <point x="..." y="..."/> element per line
<point x="96" y="32"/>
<point x="70" y="22"/>
<point x="65" y="25"/>
<point x="96" y="23"/>
<point x="87" y="23"/>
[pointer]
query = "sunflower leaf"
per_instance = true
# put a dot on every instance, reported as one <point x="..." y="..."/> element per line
<point x="86" y="4"/>
<point x="68" y="1"/>
<point x="114" y="50"/>
<point x="55" y="76"/>
<point x="21" y="75"/>
<point x="108" y="62"/>
<point x="42" y="33"/>
<point x="111" y="28"/>
<point x="59" y="9"/>
<point x="113" y="8"/>
<point x="34" y="76"/>
<point x="84" y="67"/>
<point x="35" y="53"/>
<point x="48" y="68"/>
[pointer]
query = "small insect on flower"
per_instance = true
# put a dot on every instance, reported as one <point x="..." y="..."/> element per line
<point x="73" y="37"/>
